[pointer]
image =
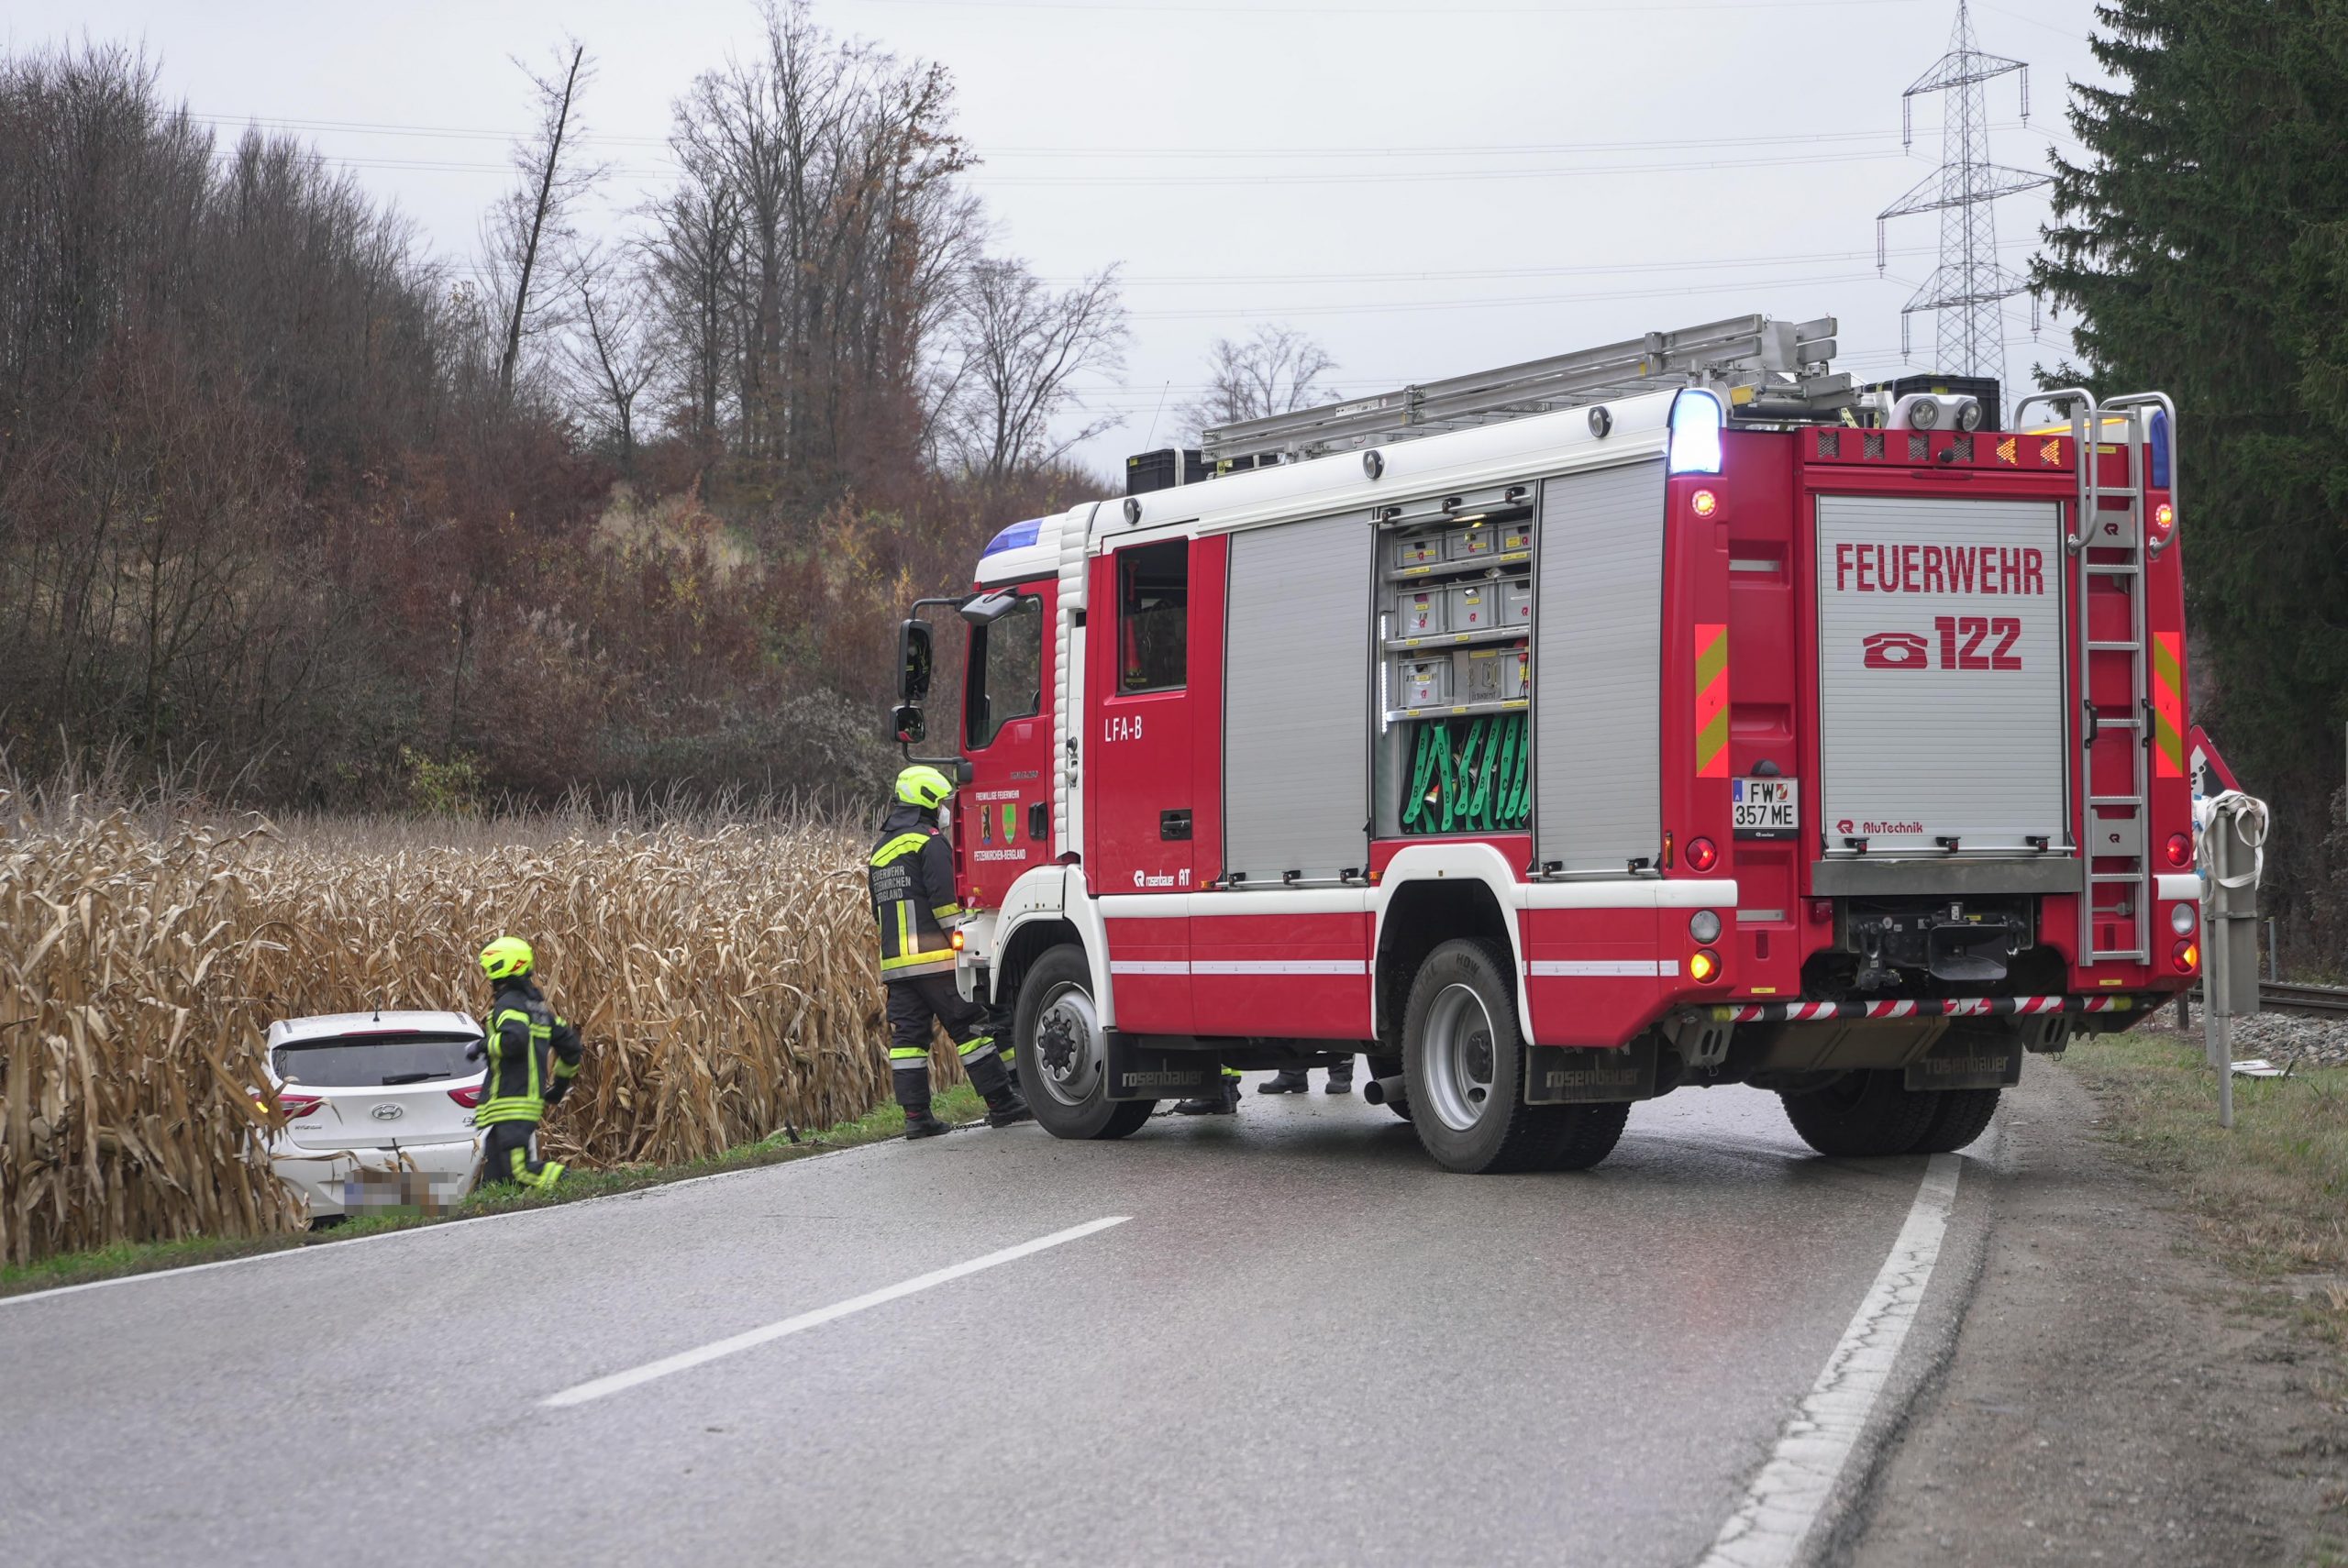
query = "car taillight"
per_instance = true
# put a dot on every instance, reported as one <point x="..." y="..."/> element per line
<point x="2187" y="956"/>
<point x="297" y="1106"/>
<point x="2180" y="849"/>
<point x="469" y="1098"/>
<point x="1702" y="854"/>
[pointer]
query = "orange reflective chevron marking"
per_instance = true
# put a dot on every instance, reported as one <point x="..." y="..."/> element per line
<point x="2168" y="705"/>
<point x="2051" y="452"/>
<point x="1712" y="701"/>
<point x="2008" y="452"/>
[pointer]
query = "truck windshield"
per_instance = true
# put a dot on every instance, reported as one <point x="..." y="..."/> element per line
<point x="1006" y="671"/>
<point x="373" y="1061"/>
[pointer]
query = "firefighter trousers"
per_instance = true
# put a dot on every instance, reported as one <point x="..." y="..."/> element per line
<point x="914" y="1004"/>
<point x="509" y="1153"/>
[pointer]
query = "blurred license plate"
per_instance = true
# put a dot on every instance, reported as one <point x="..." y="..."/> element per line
<point x="1766" y="808"/>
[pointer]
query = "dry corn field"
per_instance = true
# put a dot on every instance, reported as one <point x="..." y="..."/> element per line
<point x="723" y="978"/>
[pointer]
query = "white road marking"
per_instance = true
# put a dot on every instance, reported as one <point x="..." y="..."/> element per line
<point x="1785" y="1500"/>
<point x="686" y="1360"/>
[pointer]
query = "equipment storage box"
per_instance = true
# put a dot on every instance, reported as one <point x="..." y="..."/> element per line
<point x="1516" y="673"/>
<point x="1516" y="601"/>
<point x="1148" y="471"/>
<point x="1475" y="607"/>
<point x="1422" y="612"/>
<point x="1515" y="538"/>
<point x="1423" y="549"/>
<point x="1472" y="543"/>
<point x="1425" y="682"/>
<point x="1476" y="674"/>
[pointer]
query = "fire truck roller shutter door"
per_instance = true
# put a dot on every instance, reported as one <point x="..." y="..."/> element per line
<point x="1296" y="699"/>
<point x="1597" y="665"/>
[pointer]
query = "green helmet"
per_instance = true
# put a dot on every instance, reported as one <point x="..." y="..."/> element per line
<point x="922" y="784"/>
<point x="506" y="956"/>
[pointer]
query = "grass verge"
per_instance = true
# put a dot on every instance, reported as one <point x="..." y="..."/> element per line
<point x="2271" y="1196"/>
<point x="957" y="1104"/>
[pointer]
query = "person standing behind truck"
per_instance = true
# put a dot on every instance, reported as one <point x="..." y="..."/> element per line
<point x="913" y="900"/>
<point x="532" y="1056"/>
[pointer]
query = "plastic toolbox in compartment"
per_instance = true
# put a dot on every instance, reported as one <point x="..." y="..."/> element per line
<point x="1516" y="673"/>
<point x="1475" y="607"/>
<point x="1421" y="613"/>
<point x="1476" y="674"/>
<point x="1424" y="682"/>
<point x="1423" y="549"/>
<point x="1472" y="543"/>
<point x="1515" y="537"/>
<point x="1516" y="601"/>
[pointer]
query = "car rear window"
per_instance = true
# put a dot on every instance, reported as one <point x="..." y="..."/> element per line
<point x="373" y="1061"/>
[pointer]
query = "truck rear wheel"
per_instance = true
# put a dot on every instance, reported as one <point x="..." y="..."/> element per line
<point x="1063" y="1055"/>
<point x="1463" y="1061"/>
<point x="1863" y="1113"/>
<point x="1961" y="1116"/>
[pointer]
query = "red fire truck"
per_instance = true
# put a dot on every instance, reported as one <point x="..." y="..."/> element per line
<point x="1668" y="714"/>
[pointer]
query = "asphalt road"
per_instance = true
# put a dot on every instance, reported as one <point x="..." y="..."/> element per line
<point x="1304" y="1344"/>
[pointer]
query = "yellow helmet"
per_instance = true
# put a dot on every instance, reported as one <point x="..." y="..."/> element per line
<point x="922" y="784"/>
<point x="506" y="956"/>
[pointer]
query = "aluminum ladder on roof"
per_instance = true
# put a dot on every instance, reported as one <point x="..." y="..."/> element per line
<point x="1774" y="365"/>
<point x="2113" y="543"/>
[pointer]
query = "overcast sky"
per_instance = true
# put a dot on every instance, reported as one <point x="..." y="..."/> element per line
<point x="1428" y="189"/>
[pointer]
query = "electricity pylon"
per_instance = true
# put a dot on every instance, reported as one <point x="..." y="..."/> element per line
<point x="1968" y="285"/>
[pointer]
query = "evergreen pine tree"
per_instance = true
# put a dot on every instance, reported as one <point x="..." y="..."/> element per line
<point x="2202" y="249"/>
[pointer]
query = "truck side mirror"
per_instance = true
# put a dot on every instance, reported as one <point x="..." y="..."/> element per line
<point x="914" y="662"/>
<point x="908" y="724"/>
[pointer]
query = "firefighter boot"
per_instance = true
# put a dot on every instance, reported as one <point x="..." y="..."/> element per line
<point x="922" y="1122"/>
<point x="1221" y="1100"/>
<point x="1341" y="1079"/>
<point x="1004" y="1108"/>
<point x="1288" y="1080"/>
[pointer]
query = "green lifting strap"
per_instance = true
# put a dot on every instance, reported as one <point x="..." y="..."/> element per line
<point x="1479" y="799"/>
<point x="1423" y="768"/>
<point x="1524" y="776"/>
<point x="1504" y="773"/>
<point x="1451" y="761"/>
<point x="1519" y="731"/>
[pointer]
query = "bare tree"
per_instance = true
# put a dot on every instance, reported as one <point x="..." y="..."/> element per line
<point x="1273" y="372"/>
<point x="615" y="352"/>
<point x="1023" y="346"/>
<point x="530" y="225"/>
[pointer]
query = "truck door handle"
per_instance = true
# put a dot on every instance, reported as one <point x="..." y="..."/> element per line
<point x="1174" y="826"/>
<point x="1039" y="820"/>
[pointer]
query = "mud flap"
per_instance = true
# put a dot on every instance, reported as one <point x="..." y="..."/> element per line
<point x="1574" y="1075"/>
<point x="1140" y="1069"/>
<point x="1966" y="1059"/>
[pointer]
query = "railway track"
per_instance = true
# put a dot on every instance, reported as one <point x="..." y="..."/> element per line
<point x="2322" y="1001"/>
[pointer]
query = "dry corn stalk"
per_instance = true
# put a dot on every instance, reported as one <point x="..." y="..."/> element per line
<point x="724" y="981"/>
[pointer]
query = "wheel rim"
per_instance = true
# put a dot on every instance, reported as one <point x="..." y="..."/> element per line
<point x="1460" y="1057"/>
<point x="1068" y="1044"/>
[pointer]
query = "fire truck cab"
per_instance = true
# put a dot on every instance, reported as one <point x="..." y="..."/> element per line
<point x="1668" y="714"/>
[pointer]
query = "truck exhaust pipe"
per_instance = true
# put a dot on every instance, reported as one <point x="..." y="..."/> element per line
<point x="1379" y="1091"/>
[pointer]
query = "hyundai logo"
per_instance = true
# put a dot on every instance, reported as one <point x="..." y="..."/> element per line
<point x="387" y="1113"/>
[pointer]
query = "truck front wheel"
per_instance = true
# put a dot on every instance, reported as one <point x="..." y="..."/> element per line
<point x="1862" y="1113"/>
<point x="1463" y="1061"/>
<point x="1063" y="1056"/>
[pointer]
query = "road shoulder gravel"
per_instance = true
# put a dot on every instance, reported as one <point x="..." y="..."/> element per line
<point x="2112" y="1396"/>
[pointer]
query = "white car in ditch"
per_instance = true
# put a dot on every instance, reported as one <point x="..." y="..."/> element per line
<point x="379" y="1109"/>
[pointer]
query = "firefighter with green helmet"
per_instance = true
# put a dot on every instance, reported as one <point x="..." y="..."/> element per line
<point x="911" y="876"/>
<point x="532" y="1056"/>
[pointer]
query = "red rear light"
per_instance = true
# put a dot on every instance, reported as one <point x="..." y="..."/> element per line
<point x="2180" y="850"/>
<point x="1702" y="854"/>
<point x="297" y="1106"/>
<point x="1822" y="909"/>
<point x="2187" y="957"/>
<point x="467" y="1098"/>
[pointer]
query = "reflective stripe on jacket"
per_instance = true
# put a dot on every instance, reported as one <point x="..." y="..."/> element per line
<point x="912" y="875"/>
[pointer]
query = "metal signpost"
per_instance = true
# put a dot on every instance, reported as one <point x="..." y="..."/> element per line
<point x="2233" y="854"/>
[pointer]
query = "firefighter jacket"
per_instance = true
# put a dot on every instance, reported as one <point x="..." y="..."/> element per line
<point x="522" y="1030"/>
<point x="912" y="895"/>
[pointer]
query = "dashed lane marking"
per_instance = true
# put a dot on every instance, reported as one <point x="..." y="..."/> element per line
<point x="1783" y="1504"/>
<point x="684" y="1361"/>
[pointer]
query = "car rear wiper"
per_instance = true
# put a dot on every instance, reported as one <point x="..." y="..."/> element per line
<point x="397" y="1079"/>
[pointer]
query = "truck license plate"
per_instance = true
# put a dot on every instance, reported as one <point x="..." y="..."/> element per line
<point x="1766" y="808"/>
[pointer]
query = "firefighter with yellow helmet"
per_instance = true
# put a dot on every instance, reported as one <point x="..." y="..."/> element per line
<point x="911" y="876"/>
<point x="534" y="1057"/>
